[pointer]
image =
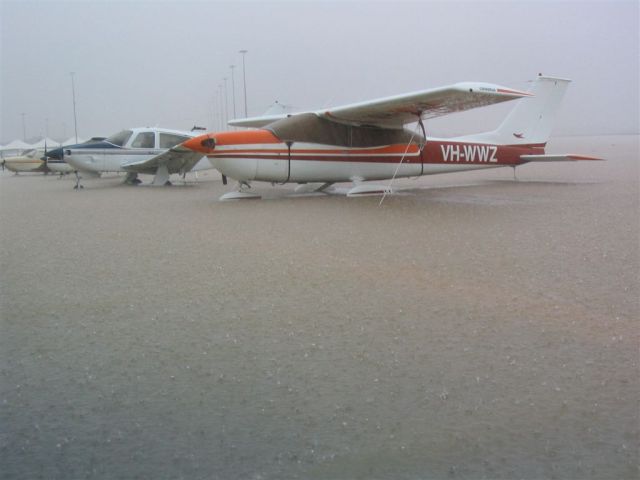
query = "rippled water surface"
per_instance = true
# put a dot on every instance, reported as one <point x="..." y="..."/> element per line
<point x="470" y="327"/>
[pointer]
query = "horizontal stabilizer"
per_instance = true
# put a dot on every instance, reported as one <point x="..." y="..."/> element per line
<point x="566" y="157"/>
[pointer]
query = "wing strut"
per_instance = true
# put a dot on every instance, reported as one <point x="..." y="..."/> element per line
<point x="388" y="189"/>
<point x="424" y="144"/>
<point x="289" y="144"/>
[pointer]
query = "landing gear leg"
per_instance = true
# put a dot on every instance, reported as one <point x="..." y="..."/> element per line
<point x="132" y="179"/>
<point x="77" y="186"/>
<point x="515" y="178"/>
<point x="162" y="176"/>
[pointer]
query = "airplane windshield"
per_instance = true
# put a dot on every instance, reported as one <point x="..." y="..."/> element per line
<point x="168" y="140"/>
<point x="120" y="138"/>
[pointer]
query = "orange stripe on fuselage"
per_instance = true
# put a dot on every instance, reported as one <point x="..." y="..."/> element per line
<point x="387" y="150"/>
<point x="246" y="137"/>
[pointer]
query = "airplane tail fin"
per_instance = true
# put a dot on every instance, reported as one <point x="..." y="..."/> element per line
<point x="531" y="120"/>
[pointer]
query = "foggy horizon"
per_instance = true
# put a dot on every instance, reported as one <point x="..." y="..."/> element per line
<point x="162" y="64"/>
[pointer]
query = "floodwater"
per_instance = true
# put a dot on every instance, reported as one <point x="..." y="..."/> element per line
<point x="470" y="327"/>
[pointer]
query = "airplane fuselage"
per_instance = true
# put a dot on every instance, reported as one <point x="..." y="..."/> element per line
<point x="23" y="164"/>
<point x="99" y="160"/>
<point x="27" y="162"/>
<point x="138" y="150"/>
<point x="260" y="156"/>
<point x="59" y="166"/>
<point x="106" y="159"/>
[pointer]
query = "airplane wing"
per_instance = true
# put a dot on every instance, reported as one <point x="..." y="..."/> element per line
<point x="396" y="111"/>
<point x="258" y="122"/>
<point x="178" y="159"/>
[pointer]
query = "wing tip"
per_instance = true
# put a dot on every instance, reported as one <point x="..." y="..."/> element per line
<point x="516" y="93"/>
<point x="492" y="89"/>
<point x="577" y="156"/>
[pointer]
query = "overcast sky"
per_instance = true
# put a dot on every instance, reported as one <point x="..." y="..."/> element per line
<point x="144" y="63"/>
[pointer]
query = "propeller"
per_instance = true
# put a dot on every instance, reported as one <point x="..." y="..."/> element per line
<point x="224" y="177"/>
<point x="45" y="158"/>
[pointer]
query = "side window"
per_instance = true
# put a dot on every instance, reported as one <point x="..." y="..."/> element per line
<point x="144" y="140"/>
<point x="168" y="140"/>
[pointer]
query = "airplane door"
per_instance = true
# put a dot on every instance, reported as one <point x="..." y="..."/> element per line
<point x="276" y="169"/>
<point x="100" y="159"/>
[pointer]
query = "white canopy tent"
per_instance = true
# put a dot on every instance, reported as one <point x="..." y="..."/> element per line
<point x="48" y="142"/>
<point x="17" y="145"/>
<point x="14" y="148"/>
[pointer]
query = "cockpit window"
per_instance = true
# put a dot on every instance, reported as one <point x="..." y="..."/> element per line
<point x="168" y="140"/>
<point x="120" y="138"/>
<point x="144" y="140"/>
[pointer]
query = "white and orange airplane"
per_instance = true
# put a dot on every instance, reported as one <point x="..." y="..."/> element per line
<point x="369" y="141"/>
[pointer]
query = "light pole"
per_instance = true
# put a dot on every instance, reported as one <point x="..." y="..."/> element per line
<point x="24" y="129"/>
<point x="233" y="89"/>
<point x="73" y="92"/>
<point x="226" y="102"/>
<point x="214" y="111"/>
<point x="244" y="81"/>
<point x="221" y="108"/>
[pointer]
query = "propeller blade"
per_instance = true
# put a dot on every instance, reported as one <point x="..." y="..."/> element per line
<point x="224" y="178"/>
<point x="45" y="158"/>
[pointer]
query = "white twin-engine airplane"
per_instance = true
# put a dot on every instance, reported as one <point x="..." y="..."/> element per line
<point x="369" y="141"/>
<point x="156" y="151"/>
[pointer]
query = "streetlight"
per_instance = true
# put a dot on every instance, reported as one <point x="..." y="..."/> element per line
<point x="73" y="92"/>
<point x="226" y="102"/>
<point x="214" y="111"/>
<point x="221" y="108"/>
<point x="244" y="80"/>
<point x="233" y="89"/>
<point x="24" y="129"/>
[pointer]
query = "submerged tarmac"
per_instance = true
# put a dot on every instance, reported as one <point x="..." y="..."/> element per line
<point x="470" y="327"/>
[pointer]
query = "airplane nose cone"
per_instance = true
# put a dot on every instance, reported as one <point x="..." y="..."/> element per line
<point x="56" y="154"/>
<point x="203" y="143"/>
